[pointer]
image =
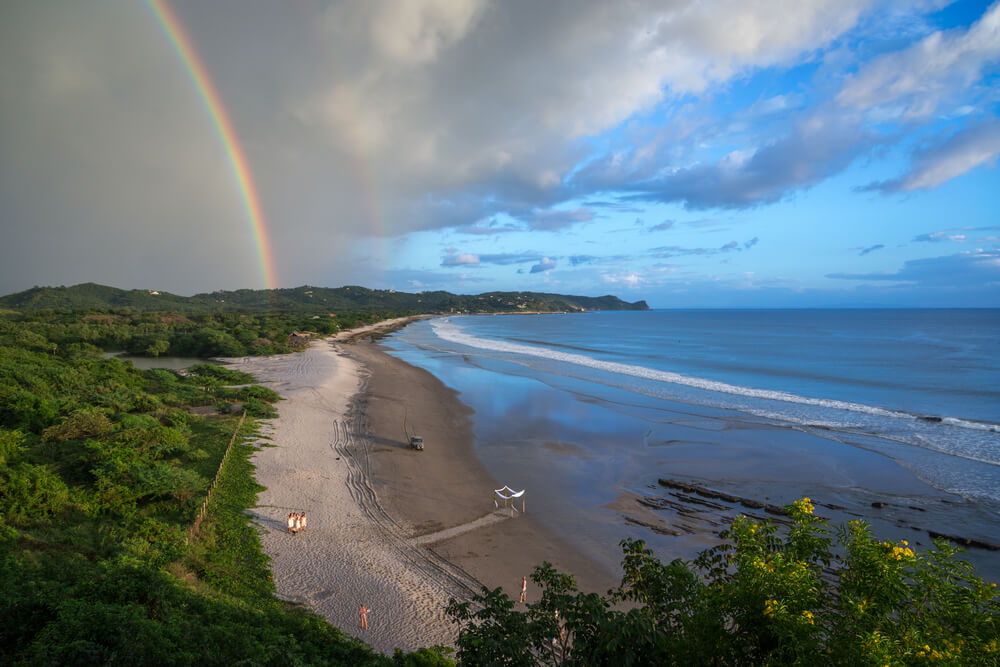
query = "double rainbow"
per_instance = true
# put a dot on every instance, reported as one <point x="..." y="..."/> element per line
<point x="181" y="42"/>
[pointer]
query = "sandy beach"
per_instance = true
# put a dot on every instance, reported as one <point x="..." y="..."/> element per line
<point x="396" y="530"/>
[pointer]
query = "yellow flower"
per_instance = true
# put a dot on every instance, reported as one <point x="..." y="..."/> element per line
<point x="805" y="505"/>
<point x="769" y="607"/>
<point x="899" y="552"/>
<point x="808" y="615"/>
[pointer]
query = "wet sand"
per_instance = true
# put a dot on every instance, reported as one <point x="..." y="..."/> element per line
<point x="397" y="530"/>
<point x="443" y="495"/>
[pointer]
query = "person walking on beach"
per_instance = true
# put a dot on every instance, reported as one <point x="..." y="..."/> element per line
<point x="302" y="522"/>
<point x="298" y="522"/>
<point x="363" y="614"/>
<point x="524" y="589"/>
<point x="291" y="523"/>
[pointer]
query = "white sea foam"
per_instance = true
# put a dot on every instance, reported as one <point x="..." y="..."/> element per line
<point x="447" y="330"/>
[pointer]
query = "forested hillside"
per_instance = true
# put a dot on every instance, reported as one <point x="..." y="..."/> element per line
<point x="319" y="300"/>
<point x="229" y="334"/>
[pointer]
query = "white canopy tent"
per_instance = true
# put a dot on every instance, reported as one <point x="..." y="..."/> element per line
<point x="509" y="497"/>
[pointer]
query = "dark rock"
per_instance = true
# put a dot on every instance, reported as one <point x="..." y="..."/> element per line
<point x="653" y="527"/>
<point x="878" y="504"/>
<point x="774" y="509"/>
<point x="965" y="541"/>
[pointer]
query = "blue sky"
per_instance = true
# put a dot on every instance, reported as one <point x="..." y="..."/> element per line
<point x="720" y="154"/>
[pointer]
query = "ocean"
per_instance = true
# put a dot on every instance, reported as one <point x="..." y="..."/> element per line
<point x="580" y="408"/>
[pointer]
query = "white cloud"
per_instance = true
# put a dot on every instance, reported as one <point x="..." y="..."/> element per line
<point x="956" y="155"/>
<point x="913" y="82"/>
<point x="452" y="97"/>
<point x="459" y="260"/>
<point x="630" y="279"/>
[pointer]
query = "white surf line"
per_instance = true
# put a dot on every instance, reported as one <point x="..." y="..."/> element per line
<point x="496" y="516"/>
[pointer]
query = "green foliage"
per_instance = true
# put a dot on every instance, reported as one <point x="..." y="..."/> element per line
<point x="102" y="472"/>
<point x="436" y="656"/>
<point x="30" y="493"/>
<point x="255" y="407"/>
<point x="219" y="374"/>
<point x="11" y="445"/>
<point x="78" y="425"/>
<point x="764" y="596"/>
<point x="262" y="393"/>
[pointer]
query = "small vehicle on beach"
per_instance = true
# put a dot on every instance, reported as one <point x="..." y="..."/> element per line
<point x="416" y="442"/>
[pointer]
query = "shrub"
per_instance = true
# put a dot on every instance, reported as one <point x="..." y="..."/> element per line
<point x="30" y="493"/>
<point x="263" y="393"/>
<point x="219" y="374"/>
<point x="259" y="409"/>
<point x="764" y="596"/>
<point x="79" y="425"/>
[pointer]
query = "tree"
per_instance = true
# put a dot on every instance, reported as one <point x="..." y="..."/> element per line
<point x="157" y="347"/>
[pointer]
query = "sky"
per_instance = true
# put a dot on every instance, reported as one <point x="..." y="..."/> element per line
<point x="726" y="153"/>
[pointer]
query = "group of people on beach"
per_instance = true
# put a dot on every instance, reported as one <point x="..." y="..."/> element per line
<point x="296" y="522"/>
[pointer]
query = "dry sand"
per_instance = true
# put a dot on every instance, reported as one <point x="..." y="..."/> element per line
<point x="397" y="530"/>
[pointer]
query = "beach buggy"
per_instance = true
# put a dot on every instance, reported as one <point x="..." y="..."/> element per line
<point x="416" y="442"/>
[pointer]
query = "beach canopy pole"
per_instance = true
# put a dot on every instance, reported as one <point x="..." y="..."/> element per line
<point x="508" y="494"/>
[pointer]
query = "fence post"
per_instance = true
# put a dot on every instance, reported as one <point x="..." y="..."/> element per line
<point x="196" y="526"/>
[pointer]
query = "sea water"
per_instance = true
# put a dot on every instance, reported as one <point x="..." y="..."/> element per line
<point x="604" y="390"/>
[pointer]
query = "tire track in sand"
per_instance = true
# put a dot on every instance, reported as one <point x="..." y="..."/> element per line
<point x="352" y="442"/>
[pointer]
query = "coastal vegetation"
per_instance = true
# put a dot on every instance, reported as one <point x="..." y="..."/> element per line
<point x="767" y="595"/>
<point x="103" y="469"/>
<point x="170" y="333"/>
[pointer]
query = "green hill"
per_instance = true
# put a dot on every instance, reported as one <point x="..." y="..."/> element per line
<point x="90" y="296"/>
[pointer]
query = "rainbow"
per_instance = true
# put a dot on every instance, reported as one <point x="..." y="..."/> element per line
<point x="181" y="42"/>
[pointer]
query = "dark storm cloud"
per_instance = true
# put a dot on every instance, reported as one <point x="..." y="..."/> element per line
<point x="367" y="120"/>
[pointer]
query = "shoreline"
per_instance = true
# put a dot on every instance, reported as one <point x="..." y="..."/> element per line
<point x="397" y="530"/>
<point x="593" y="458"/>
<point x="444" y="494"/>
<point x="402" y="531"/>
